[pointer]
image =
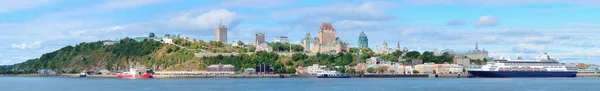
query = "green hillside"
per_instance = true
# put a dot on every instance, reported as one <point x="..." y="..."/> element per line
<point x="97" y="56"/>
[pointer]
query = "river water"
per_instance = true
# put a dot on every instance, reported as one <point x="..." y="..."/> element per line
<point x="299" y="84"/>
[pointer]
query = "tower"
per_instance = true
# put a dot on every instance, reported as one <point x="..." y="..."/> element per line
<point x="221" y="33"/>
<point x="326" y="33"/>
<point x="259" y="38"/>
<point x="363" y="41"/>
<point x="476" y="46"/>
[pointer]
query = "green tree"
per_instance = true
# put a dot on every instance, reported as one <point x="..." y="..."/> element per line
<point x="291" y="70"/>
<point x="298" y="56"/>
<point x="341" y="69"/>
<point x="371" y="70"/>
<point x="415" y="71"/>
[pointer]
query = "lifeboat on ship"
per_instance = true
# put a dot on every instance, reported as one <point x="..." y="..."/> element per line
<point x="133" y="74"/>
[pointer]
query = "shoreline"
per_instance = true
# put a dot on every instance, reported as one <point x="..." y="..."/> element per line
<point x="271" y="76"/>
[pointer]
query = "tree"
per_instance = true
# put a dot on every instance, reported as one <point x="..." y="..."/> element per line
<point x="351" y="71"/>
<point x="416" y="71"/>
<point x="298" y="56"/>
<point x="342" y="69"/>
<point x="240" y="43"/>
<point x="371" y="70"/>
<point x="412" y="55"/>
<point x="381" y="69"/>
<point x="291" y="70"/>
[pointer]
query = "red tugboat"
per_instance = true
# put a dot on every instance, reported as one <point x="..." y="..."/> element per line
<point x="133" y="74"/>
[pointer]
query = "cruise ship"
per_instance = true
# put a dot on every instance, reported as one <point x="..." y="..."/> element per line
<point x="543" y="66"/>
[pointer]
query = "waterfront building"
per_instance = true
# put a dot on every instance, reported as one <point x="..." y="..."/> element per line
<point x="426" y="68"/>
<point x="300" y="70"/>
<point x="384" y="49"/>
<point x="416" y="61"/>
<point x="462" y="61"/>
<point x="263" y="68"/>
<point x="221" y="69"/>
<point x="282" y="39"/>
<point x="326" y="41"/>
<point x="221" y="33"/>
<point x="363" y="41"/>
<point x="582" y="66"/>
<point x="405" y="69"/>
<point x="448" y="69"/>
<point x="259" y="38"/>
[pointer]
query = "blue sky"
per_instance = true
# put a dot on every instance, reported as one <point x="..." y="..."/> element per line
<point x="566" y="29"/>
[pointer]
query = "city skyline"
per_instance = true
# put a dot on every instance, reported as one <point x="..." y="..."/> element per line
<point x="565" y="29"/>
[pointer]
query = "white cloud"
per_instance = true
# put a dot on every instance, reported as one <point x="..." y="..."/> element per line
<point x="538" y="39"/>
<point x="206" y="21"/>
<point x="16" y="5"/>
<point x="367" y="11"/>
<point x="582" y="25"/>
<point x="498" y="2"/>
<point x="5" y="62"/>
<point x="489" y="39"/>
<point x="346" y="24"/>
<point x="455" y="23"/>
<point x="529" y="48"/>
<point x="33" y="45"/>
<point x="487" y="21"/>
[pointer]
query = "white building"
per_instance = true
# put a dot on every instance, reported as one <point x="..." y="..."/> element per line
<point x="384" y="49"/>
<point x="167" y="40"/>
<point x="426" y="68"/>
<point x="462" y="61"/>
<point x="313" y="69"/>
<point x="282" y="39"/>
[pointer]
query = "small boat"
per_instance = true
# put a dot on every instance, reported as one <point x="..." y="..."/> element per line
<point x="331" y="74"/>
<point x="133" y="74"/>
<point x="82" y="75"/>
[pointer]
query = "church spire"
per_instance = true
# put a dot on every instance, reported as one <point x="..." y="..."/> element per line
<point x="476" y="46"/>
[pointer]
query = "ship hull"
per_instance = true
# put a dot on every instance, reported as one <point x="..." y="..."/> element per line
<point x="503" y="74"/>
<point x="127" y="76"/>
<point x="346" y="76"/>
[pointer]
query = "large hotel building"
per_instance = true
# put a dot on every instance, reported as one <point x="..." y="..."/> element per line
<point x="326" y="41"/>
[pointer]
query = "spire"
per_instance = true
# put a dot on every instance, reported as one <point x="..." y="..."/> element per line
<point x="362" y="34"/>
<point x="476" y="46"/>
<point x="220" y="22"/>
<point x="398" y="45"/>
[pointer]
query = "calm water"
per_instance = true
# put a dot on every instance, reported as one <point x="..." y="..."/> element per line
<point x="299" y="84"/>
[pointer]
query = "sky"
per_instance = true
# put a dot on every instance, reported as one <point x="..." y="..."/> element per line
<point x="566" y="29"/>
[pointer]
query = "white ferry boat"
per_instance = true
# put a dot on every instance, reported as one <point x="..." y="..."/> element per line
<point x="331" y="74"/>
<point x="543" y="66"/>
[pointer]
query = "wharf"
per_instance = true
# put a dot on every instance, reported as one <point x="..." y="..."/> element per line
<point x="391" y="76"/>
<point x="587" y="75"/>
<point x="225" y="76"/>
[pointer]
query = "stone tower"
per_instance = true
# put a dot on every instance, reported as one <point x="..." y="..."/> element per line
<point x="326" y="34"/>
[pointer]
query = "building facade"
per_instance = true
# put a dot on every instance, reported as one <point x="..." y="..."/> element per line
<point x="462" y="61"/>
<point x="221" y="69"/>
<point x="325" y="41"/>
<point x="221" y="33"/>
<point x="475" y="54"/>
<point x="363" y="41"/>
<point x="259" y="38"/>
<point x="385" y="49"/>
